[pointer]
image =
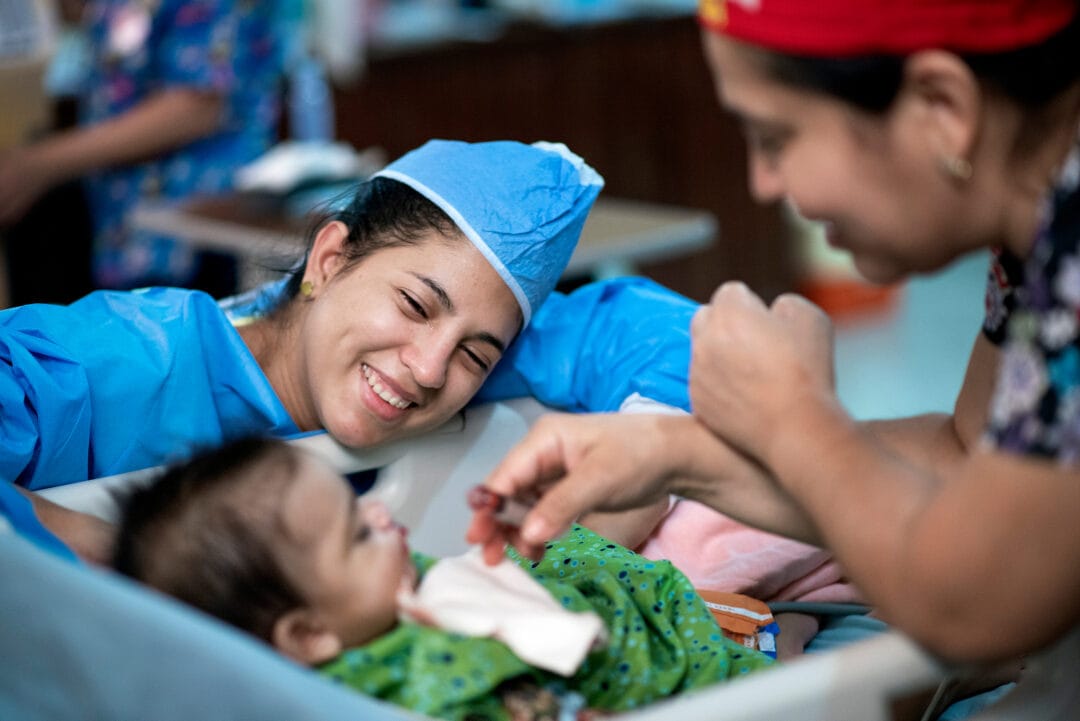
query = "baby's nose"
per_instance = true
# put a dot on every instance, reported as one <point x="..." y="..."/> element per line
<point x="376" y="514"/>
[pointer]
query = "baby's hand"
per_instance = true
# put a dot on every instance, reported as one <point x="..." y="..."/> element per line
<point x="508" y="511"/>
<point x="494" y="520"/>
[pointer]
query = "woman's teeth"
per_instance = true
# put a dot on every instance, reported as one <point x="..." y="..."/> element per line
<point x="383" y="392"/>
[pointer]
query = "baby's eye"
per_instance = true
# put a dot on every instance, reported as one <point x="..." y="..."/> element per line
<point x="363" y="531"/>
<point x="414" y="305"/>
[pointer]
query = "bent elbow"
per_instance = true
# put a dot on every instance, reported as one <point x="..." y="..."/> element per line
<point x="976" y="616"/>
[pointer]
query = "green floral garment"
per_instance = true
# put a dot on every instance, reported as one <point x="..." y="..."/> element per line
<point x="662" y="641"/>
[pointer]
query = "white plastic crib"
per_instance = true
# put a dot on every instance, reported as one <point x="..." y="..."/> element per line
<point x="424" y="482"/>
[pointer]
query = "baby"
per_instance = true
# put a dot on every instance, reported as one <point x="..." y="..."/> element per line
<point x="271" y="540"/>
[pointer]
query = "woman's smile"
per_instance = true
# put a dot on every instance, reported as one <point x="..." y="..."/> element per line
<point x="382" y="388"/>
<point x="384" y="397"/>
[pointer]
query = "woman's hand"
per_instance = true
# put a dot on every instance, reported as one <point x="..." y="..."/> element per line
<point x="572" y="465"/>
<point x="751" y="365"/>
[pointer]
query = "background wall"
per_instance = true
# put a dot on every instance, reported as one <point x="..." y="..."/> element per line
<point x="634" y="97"/>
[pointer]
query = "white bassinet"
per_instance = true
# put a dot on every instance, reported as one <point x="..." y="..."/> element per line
<point x="78" y="643"/>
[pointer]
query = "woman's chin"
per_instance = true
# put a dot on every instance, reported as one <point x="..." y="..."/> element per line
<point x="880" y="272"/>
<point x="356" y="433"/>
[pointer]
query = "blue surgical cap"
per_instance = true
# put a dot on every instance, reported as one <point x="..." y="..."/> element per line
<point x="523" y="206"/>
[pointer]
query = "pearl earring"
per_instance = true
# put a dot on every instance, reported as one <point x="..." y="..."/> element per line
<point x="307" y="288"/>
<point x="956" y="167"/>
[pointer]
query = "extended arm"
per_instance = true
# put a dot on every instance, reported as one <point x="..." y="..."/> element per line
<point x="614" y="462"/>
<point x="163" y="122"/>
<point x="953" y="543"/>
<point x="591" y="349"/>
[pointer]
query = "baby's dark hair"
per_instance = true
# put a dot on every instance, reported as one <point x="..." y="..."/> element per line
<point x="202" y="533"/>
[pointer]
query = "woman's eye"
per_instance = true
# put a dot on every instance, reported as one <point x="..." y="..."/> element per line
<point x="362" y="533"/>
<point x="768" y="145"/>
<point x="414" y="305"/>
<point x="479" y="362"/>
<point x="773" y="146"/>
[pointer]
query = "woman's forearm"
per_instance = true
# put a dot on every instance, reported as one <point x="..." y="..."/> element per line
<point x="706" y="469"/>
<point x="905" y="531"/>
<point x="161" y="123"/>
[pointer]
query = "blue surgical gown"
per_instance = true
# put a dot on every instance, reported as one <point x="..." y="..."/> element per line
<point x="119" y="381"/>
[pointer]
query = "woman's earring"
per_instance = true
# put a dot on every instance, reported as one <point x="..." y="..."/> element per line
<point x="307" y="288"/>
<point x="956" y="167"/>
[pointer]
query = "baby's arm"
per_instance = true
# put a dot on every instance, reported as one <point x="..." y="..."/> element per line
<point x="88" y="536"/>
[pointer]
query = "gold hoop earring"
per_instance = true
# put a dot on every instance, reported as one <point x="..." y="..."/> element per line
<point x="307" y="288"/>
<point x="956" y="167"/>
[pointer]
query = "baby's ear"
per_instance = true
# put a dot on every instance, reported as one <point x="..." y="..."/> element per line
<point x="302" y="636"/>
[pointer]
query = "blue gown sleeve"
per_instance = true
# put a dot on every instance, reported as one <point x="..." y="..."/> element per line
<point x="119" y="381"/>
<point x="36" y="374"/>
<point x="589" y="350"/>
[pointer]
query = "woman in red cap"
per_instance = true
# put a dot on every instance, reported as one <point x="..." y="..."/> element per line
<point x="917" y="132"/>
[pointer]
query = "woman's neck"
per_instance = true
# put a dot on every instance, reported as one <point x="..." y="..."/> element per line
<point x="1038" y="171"/>
<point x="272" y="341"/>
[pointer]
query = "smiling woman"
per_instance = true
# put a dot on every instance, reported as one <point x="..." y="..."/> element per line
<point x="444" y="253"/>
<point x="406" y="304"/>
<point x="968" y="139"/>
<point x="435" y="319"/>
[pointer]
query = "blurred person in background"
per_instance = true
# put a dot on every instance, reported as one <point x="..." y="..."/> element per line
<point x="177" y="95"/>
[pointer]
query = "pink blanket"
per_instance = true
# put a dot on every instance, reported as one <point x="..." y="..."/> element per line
<point x="719" y="554"/>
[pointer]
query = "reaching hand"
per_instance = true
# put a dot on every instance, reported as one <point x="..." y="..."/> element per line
<point x="751" y="364"/>
<point x="571" y="465"/>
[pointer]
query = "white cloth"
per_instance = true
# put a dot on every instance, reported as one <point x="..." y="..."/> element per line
<point x="464" y="595"/>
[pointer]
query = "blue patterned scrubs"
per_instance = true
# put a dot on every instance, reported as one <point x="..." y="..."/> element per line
<point x="1033" y="314"/>
<point x="231" y="47"/>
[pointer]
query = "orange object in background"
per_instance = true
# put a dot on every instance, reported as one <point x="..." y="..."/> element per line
<point x="849" y="298"/>
<point x="745" y="620"/>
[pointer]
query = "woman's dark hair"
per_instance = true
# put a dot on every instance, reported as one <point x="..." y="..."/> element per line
<point x="198" y="533"/>
<point x="383" y="213"/>
<point x="1031" y="76"/>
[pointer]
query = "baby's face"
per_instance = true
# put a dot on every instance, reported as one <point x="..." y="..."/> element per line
<point x="348" y="557"/>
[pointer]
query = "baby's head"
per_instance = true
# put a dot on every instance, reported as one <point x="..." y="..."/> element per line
<point x="271" y="540"/>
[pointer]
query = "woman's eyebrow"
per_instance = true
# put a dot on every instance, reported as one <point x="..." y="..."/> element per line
<point x="760" y="124"/>
<point x="437" y="289"/>
<point x="489" y="338"/>
<point x="446" y="303"/>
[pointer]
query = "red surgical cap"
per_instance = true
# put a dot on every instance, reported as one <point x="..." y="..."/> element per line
<point x="844" y="28"/>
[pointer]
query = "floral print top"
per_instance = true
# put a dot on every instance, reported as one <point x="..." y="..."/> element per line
<point x="233" y="47"/>
<point x="1033" y="315"/>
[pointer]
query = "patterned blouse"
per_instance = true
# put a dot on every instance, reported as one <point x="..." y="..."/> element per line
<point x="1033" y="315"/>
<point x="139" y="47"/>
